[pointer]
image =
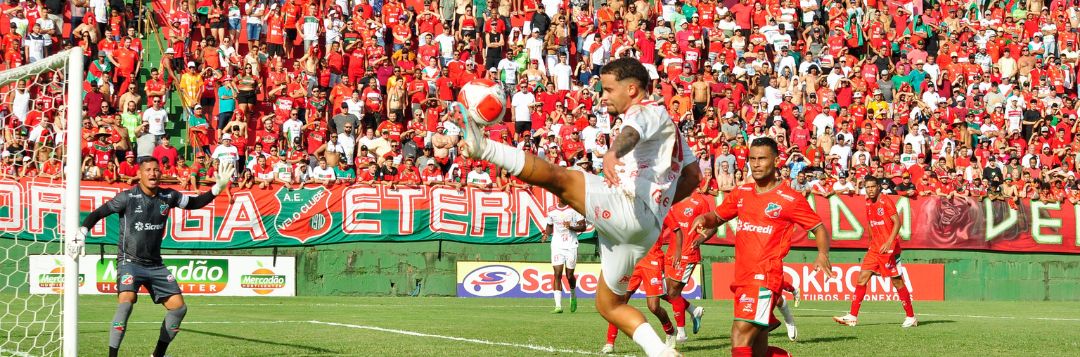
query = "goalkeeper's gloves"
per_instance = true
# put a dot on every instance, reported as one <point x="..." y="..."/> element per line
<point x="76" y="247"/>
<point x="224" y="177"/>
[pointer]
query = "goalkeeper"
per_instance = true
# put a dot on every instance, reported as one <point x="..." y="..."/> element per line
<point x="143" y="211"/>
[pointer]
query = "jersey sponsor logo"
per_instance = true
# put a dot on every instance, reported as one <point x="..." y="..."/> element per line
<point x="170" y="278"/>
<point x="138" y="209"/>
<point x="876" y="223"/>
<point x="304" y="214"/>
<point x="787" y="197"/>
<point x="745" y="299"/>
<point x="753" y="228"/>
<point x="140" y="226"/>
<point x="491" y="280"/>
<point x="773" y="210"/>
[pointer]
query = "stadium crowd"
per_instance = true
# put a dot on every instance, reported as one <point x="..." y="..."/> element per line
<point x="952" y="98"/>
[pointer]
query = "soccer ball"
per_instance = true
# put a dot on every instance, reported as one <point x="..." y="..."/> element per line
<point x="485" y="101"/>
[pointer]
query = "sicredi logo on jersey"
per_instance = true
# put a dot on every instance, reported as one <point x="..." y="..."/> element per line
<point x="491" y="280"/>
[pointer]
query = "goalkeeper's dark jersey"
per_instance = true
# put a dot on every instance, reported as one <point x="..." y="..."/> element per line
<point x="142" y="222"/>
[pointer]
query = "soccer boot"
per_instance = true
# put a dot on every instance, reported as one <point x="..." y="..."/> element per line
<point x="557" y="310"/>
<point x="681" y="338"/>
<point x="608" y="348"/>
<point x="848" y="319"/>
<point x="695" y="317"/>
<point x="670" y="342"/>
<point x="472" y="135"/>
<point x="573" y="303"/>
<point x="792" y="331"/>
<point x="910" y="322"/>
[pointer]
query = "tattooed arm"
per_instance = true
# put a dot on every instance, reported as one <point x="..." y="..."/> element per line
<point x="622" y="145"/>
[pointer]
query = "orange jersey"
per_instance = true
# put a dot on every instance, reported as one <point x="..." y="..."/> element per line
<point x="682" y="215"/>
<point x="880" y="215"/>
<point x="767" y="221"/>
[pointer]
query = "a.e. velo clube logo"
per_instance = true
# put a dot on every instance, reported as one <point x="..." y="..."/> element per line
<point x="304" y="213"/>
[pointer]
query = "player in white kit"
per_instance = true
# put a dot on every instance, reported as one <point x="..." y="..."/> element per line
<point x="563" y="226"/>
<point x="647" y="169"/>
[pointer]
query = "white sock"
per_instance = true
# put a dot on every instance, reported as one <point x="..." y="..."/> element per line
<point x="647" y="338"/>
<point x="681" y="330"/>
<point x="690" y="308"/>
<point x="786" y="311"/>
<point x="558" y="298"/>
<point x="508" y="157"/>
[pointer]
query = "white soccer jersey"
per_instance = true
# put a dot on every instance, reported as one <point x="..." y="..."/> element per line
<point x="561" y="236"/>
<point x="650" y="170"/>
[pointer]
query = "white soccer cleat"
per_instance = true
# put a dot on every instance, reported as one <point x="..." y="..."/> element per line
<point x="792" y="332"/>
<point x="848" y="319"/>
<point x="472" y="135"/>
<point x="681" y="338"/>
<point x="670" y="342"/>
<point x="910" y="322"/>
<point x="608" y="348"/>
<point x="670" y="352"/>
<point x="695" y="317"/>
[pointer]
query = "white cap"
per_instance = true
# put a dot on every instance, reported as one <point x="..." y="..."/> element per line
<point x="191" y="64"/>
<point x="226" y="136"/>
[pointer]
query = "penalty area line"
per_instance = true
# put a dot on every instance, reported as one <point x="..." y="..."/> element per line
<point x="453" y="338"/>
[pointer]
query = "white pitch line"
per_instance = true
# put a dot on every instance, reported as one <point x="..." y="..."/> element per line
<point x="396" y="305"/>
<point x="462" y="339"/>
<point x="965" y="316"/>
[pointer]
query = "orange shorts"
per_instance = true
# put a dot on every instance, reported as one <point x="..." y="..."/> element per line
<point x="680" y="273"/>
<point x="649" y="277"/>
<point x="754" y="304"/>
<point x="887" y="265"/>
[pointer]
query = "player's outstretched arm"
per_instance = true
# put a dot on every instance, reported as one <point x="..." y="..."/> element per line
<point x="822" y="264"/>
<point x="222" y="181"/>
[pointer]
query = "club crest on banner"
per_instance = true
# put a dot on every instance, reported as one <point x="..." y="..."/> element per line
<point x="304" y="214"/>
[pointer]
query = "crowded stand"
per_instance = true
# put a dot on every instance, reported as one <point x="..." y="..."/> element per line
<point x="945" y="98"/>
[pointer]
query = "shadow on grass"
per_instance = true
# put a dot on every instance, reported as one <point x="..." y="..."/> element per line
<point x="708" y="347"/>
<point x="309" y="349"/>
<point x="931" y="322"/>
<point x="826" y="339"/>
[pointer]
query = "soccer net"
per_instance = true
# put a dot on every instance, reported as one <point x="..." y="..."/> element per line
<point x="40" y="152"/>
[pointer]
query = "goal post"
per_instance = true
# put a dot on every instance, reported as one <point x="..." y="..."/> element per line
<point x="73" y="174"/>
<point x="43" y="114"/>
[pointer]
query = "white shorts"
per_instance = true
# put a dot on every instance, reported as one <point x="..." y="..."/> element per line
<point x="625" y="228"/>
<point x="567" y="257"/>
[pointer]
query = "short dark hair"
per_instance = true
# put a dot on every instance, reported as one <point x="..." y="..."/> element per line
<point x="874" y="179"/>
<point x="148" y="159"/>
<point x="629" y="68"/>
<point x="767" y="142"/>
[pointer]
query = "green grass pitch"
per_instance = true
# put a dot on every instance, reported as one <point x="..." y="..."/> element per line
<point x="374" y="326"/>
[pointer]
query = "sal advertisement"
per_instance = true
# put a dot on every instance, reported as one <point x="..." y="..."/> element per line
<point x="926" y="282"/>
<point x="535" y="280"/>
<point x="196" y="275"/>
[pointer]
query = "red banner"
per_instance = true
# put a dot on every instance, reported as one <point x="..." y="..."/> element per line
<point x="925" y="282"/>
<point x="947" y="223"/>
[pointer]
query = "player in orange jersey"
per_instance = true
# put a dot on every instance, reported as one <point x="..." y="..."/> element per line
<point x="769" y="211"/>
<point x="883" y="256"/>
<point x="683" y="256"/>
